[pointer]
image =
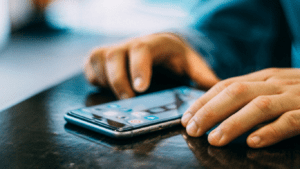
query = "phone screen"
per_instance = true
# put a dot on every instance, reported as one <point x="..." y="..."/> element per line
<point x="140" y="111"/>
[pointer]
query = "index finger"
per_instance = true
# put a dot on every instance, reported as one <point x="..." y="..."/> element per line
<point x="215" y="90"/>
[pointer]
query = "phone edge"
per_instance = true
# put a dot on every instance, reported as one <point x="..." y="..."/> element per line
<point x="121" y="135"/>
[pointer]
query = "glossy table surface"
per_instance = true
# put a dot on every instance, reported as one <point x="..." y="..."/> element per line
<point x="34" y="134"/>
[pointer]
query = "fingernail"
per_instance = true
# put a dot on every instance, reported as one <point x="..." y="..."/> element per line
<point x="256" y="140"/>
<point x="138" y="83"/>
<point x="192" y="128"/>
<point x="186" y="118"/>
<point x="124" y="96"/>
<point x="216" y="135"/>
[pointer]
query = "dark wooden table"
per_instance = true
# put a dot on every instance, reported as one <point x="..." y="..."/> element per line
<point x="34" y="134"/>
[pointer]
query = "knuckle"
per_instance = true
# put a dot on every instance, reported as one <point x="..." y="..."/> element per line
<point x="274" y="132"/>
<point x="95" y="79"/>
<point x="171" y="38"/>
<point x="277" y="84"/>
<point x="293" y="120"/>
<point x="232" y="125"/>
<point x="273" y="80"/>
<point x="279" y="81"/>
<point x="95" y="55"/>
<point x="292" y="81"/>
<point x="200" y="102"/>
<point x="110" y="54"/>
<point x="269" y="73"/>
<point x="196" y="106"/>
<point x="95" y="52"/>
<point x="263" y="103"/>
<point x="237" y="89"/>
<point x="208" y="112"/>
<point x="272" y="71"/>
<point x="139" y="45"/>
<point x="220" y="86"/>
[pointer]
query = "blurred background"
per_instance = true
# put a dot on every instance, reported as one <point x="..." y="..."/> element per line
<point x="44" y="42"/>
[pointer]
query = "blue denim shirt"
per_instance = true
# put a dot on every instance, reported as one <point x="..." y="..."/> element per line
<point x="241" y="36"/>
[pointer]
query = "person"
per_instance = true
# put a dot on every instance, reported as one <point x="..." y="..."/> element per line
<point x="244" y="42"/>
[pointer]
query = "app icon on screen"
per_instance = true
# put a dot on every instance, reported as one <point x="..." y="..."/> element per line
<point x="135" y="121"/>
<point x="138" y="114"/>
<point x="151" y="118"/>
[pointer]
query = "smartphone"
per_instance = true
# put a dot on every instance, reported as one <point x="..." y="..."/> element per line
<point x="136" y="116"/>
<point x="124" y="144"/>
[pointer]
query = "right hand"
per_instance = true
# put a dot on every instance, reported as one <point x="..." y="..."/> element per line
<point x="112" y="66"/>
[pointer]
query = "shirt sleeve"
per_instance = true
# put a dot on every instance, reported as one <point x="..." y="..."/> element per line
<point x="236" y="37"/>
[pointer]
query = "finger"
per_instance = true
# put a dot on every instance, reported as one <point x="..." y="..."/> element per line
<point x="284" y="81"/>
<point x="226" y="103"/>
<point x="270" y="73"/>
<point x="153" y="49"/>
<point x="90" y="74"/>
<point x="140" y="65"/>
<point x="259" y="110"/>
<point x="286" y="126"/>
<point x="164" y="48"/>
<point x="214" y="91"/>
<point x="199" y="103"/>
<point x="116" y="68"/>
<point x="95" y="68"/>
<point x="281" y="73"/>
<point x="199" y="71"/>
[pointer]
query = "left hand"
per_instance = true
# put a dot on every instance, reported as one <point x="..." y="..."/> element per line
<point x="244" y="102"/>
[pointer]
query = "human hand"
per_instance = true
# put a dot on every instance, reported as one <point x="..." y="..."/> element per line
<point x="244" y="102"/>
<point x="127" y="68"/>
